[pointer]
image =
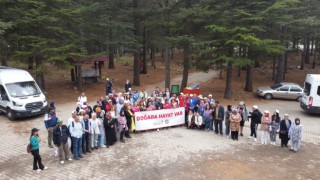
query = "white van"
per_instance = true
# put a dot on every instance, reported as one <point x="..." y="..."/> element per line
<point x="20" y="96"/>
<point x="311" y="97"/>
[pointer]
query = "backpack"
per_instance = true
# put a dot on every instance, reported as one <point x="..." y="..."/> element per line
<point x="29" y="148"/>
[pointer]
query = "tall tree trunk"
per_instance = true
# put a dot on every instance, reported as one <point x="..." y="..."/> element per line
<point x="248" y="87"/>
<point x="285" y="65"/>
<point x="239" y="71"/>
<point x="307" y="55"/>
<point x="186" y="53"/>
<point x="221" y="69"/>
<point x="303" y="54"/>
<point x="111" y="49"/>
<point x="4" y="59"/>
<point x="280" y="70"/>
<point x="152" y="56"/>
<point x="40" y="73"/>
<point x="144" y="49"/>
<point x="274" y="68"/>
<point x="136" y="58"/>
<point x="30" y="63"/>
<point x="167" y="64"/>
<point x="228" y="90"/>
<point x="316" y="46"/>
<point x="312" y="47"/>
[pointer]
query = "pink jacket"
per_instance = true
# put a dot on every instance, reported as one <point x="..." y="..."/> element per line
<point x="122" y="123"/>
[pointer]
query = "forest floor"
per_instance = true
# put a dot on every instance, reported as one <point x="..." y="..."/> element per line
<point x="59" y="81"/>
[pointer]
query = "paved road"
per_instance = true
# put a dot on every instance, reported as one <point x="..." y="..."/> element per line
<point x="149" y="155"/>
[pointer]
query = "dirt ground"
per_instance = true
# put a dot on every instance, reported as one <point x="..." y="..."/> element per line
<point x="56" y="79"/>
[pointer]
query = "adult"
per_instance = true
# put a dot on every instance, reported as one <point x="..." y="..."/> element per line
<point x="191" y="119"/>
<point x="82" y="98"/>
<point x="235" y="119"/>
<point x="108" y="86"/>
<point x="122" y="121"/>
<point x="244" y="112"/>
<point x="207" y="117"/>
<point x="296" y="135"/>
<point x="60" y="139"/>
<point x="76" y="132"/>
<point x="50" y="121"/>
<point x="192" y="102"/>
<point x="275" y="124"/>
<point x="227" y="119"/>
<point x="94" y="130"/>
<point x="198" y="120"/>
<point x="109" y="126"/>
<point x="218" y="117"/>
<point x="143" y="93"/>
<point x="167" y="93"/>
<point x="264" y="127"/>
<point x="210" y="99"/>
<point x="256" y="116"/>
<point x="285" y="125"/>
<point x="136" y="96"/>
<point x="35" y="142"/>
<point x="167" y="104"/>
<point x="130" y="121"/>
<point x="127" y="85"/>
<point x="86" y="142"/>
<point x="101" y="136"/>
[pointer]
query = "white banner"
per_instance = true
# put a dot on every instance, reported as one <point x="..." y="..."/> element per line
<point x="147" y="120"/>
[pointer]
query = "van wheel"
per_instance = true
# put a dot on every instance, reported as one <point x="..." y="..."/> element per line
<point x="10" y="114"/>
<point x="299" y="99"/>
<point x="268" y="96"/>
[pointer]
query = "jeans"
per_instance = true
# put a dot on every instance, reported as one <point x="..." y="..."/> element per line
<point x="77" y="143"/>
<point x="94" y="140"/>
<point x="50" y="134"/>
<point x="227" y="130"/>
<point x="218" y="124"/>
<point x="273" y="134"/>
<point x="63" y="148"/>
<point x="264" y="136"/>
<point x="86" y="144"/>
<point x="101" y="140"/>
<point x="36" y="160"/>
<point x="211" y="124"/>
<point x="207" y="123"/>
<point x="253" y="128"/>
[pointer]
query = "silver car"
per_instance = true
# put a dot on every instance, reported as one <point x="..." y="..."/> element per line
<point x="282" y="90"/>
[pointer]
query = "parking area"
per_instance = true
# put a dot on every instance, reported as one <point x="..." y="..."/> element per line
<point x="174" y="153"/>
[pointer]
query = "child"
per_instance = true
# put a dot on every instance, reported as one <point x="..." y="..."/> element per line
<point x="295" y="135"/>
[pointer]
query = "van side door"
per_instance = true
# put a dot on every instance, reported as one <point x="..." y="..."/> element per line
<point x="4" y="100"/>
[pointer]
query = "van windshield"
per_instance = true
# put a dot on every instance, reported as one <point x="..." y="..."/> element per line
<point x="21" y="89"/>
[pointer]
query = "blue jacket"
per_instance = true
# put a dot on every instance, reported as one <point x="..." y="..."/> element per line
<point x="220" y="113"/>
<point x="192" y="102"/>
<point x="50" y="120"/>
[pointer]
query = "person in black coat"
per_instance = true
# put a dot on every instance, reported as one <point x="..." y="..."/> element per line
<point x="60" y="140"/>
<point x="256" y="116"/>
<point x="284" y="130"/>
<point x="127" y="85"/>
<point x="110" y="130"/>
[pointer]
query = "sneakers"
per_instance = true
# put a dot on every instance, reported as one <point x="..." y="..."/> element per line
<point x="69" y="159"/>
<point x="62" y="162"/>
<point x="249" y="137"/>
<point x="45" y="168"/>
<point x="103" y="146"/>
<point x="255" y="139"/>
<point x="38" y="170"/>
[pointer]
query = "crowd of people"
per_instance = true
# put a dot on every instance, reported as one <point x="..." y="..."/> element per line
<point x="112" y="118"/>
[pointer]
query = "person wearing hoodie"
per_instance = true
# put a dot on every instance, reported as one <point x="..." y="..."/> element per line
<point x="295" y="135"/>
<point x="264" y="127"/>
